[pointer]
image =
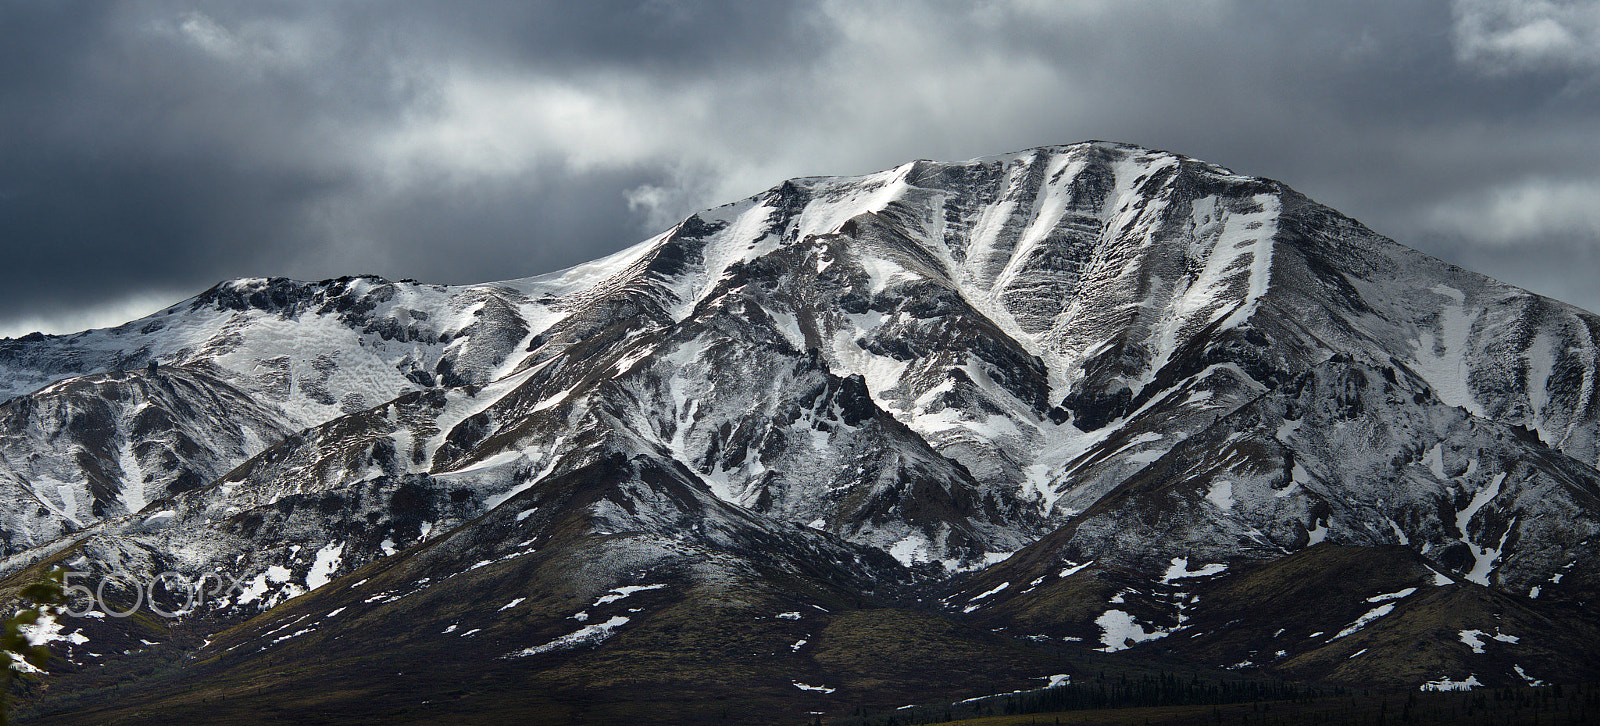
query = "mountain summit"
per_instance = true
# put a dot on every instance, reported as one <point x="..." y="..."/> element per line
<point x="838" y="445"/>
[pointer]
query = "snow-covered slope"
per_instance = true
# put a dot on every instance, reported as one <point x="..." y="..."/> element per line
<point x="122" y="440"/>
<point x="1086" y="377"/>
<point x="236" y="369"/>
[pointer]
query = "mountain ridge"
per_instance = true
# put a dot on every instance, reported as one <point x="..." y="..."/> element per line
<point x="1092" y="398"/>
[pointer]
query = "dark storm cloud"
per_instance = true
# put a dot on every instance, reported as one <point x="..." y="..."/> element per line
<point x="163" y="146"/>
<point x="499" y="230"/>
<point x="670" y="36"/>
<point x="127" y="165"/>
<point x="149" y="149"/>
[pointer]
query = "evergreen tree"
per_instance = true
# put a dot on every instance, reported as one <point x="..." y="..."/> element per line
<point x="38" y="606"/>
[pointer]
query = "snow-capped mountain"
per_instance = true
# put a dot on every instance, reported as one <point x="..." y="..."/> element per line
<point x="1094" y="392"/>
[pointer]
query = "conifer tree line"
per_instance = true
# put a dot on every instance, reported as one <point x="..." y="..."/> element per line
<point x="1260" y="703"/>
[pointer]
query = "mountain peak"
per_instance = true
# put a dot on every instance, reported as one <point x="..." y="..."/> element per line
<point x="1093" y="395"/>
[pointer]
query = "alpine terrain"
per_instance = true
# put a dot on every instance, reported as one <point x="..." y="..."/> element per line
<point x="852" y="443"/>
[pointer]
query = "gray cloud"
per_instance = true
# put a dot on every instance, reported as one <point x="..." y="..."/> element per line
<point x="1504" y="36"/>
<point x="150" y="149"/>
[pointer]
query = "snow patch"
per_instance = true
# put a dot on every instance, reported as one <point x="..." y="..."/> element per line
<point x="1297" y="476"/>
<point x="996" y="589"/>
<point x="1317" y="534"/>
<point x="1541" y="364"/>
<point x="1525" y="677"/>
<point x="589" y="635"/>
<point x="1435" y="460"/>
<point x="1445" y="684"/>
<point x="46" y="630"/>
<point x="1398" y="533"/>
<point x="1449" y="292"/>
<point x="1483" y="557"/>
<point x="257" y="586"/>
<point x="990" y="558"/>
<point x="326" y="563"/>
<point x="1221" y="494"/>
<point x="1074" y="569"/>
<point x="1441" y="357"/>
<point x="911" y="549"/>
<point x="1362" y="621"/>
<point x="618" y="593"/>
<point x="1121" y="631"/>
<point x="1392" y="595"/>
<point x="1287" y="428"/>
<point x="1180" y="570"/>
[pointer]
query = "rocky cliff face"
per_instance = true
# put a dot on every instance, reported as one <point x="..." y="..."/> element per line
<point x="1095" y="392"/>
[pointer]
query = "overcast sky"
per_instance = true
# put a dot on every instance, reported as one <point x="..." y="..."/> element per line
<point x="151" y="149"/>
